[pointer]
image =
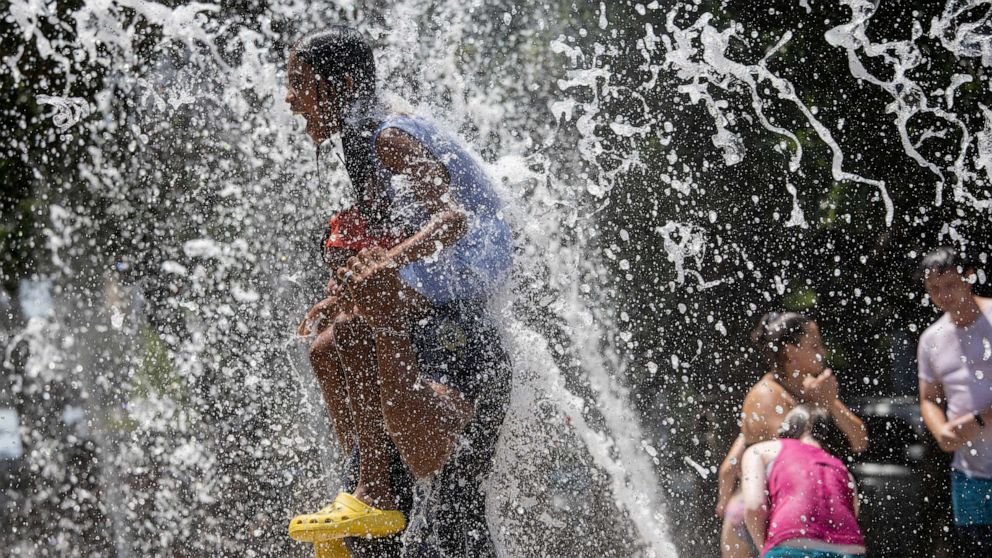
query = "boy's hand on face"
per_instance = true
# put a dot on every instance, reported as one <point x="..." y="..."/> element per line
<point x="822" y="390"/>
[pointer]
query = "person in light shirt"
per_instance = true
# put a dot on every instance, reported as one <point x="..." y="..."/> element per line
<point x="955" y="374"/>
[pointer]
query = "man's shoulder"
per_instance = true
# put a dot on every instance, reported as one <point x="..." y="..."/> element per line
<point x="938" y="328"/>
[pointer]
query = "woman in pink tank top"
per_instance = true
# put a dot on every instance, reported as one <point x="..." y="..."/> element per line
<point x="801" y="501"/>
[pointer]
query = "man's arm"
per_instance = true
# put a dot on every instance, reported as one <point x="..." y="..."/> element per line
<point x="730" y="470"/>
<point x="754" y="486"/>
<point x="932" y="411"/>
<point x="967" y="427"/>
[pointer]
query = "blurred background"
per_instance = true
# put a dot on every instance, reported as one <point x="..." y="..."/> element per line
<point x="673" y="170"/>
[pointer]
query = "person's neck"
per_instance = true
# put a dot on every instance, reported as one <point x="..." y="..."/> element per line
<point x="363" y="113"/>
<point x="966" y="313"/>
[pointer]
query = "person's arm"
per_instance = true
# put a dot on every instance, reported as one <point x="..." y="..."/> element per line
<point x="823" y="391"/>
<point x="403" y="155"/>
<point x="965" y="428"/>
<point x="728" y="474"/>
<point x="970" y="426"/>
<point x="855" y="501"/>
<point x="932" y="411"/>
<point x="754" y="486"/>
<point x="849" y="423"/>
<point x="319" y="317"/>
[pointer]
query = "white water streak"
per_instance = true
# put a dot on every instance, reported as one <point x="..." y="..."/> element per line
<point x="909" y="98"/>
<point x="714" y="69"/>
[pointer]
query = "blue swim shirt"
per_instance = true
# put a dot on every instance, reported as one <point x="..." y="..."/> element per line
<point x="475" y="266"/>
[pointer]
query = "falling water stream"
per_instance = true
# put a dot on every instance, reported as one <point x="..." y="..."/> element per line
<point x="174" y="290"/>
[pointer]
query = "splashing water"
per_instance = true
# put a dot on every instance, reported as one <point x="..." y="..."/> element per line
<point x="67" y="111"/>
<point x="200" y="421"/>
<point x="174" y="292"/>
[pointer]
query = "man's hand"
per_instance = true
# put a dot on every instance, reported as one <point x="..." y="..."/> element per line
<point x="822" y="390"/>
<point x="372" y="282"/>
<point x="948" y="437"/>
<point x="319" y="317"/>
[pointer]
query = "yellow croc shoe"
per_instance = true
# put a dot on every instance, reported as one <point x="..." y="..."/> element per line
<point x="346" y="517"/>
<point x="331" y="549"/>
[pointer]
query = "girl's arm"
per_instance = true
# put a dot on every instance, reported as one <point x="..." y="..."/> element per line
<point x="852" y="426"/>
<point x="729" y="472"/>
<point x="406" y="157"/>
<point x="754" y="485"/>
<point x="854" y="494"/>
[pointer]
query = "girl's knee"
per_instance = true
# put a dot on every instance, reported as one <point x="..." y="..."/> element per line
<point x="323" y="346"/>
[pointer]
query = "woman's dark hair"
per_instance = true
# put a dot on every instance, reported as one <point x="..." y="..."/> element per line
<point x="336" y="52"/>
<point x="804" y="420"/>
<point x="942" y="260"/>
<point x="777" y="329"/>
<point x="332" y="54"/>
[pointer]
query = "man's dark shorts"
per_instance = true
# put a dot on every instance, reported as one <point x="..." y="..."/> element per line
<point x="457" y="345"/>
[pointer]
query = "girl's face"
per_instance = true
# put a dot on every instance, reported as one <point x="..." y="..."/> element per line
<point x="309" y="96"/>
<point x="806" y="357"/>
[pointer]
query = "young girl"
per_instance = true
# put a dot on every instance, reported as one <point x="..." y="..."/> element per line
<point x="800" y="500"/>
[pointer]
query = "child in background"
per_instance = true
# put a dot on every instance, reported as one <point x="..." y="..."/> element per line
<point x="800" y="500"/>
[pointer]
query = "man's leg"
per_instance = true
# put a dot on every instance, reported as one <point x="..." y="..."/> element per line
<point x="972" y="501"/>
<point x="324" y="360"/>
<point x="357" y="355"/>
<point x="449" y="517"/>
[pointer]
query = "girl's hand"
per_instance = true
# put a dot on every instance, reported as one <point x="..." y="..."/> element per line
<point x="372" y="283"/>
<point x="721" y="508"/>
<point x="333" y="288"/>
<point x="319" y="317"/>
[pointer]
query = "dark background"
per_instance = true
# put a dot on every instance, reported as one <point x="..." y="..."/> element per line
<point x="848" y="269"/>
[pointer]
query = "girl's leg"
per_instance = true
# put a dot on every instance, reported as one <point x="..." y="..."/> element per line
<point x="732" y="544"/>
<point x="357" y="355"/>
<point x="330" y="376"/>
<point x="424" y="418"/>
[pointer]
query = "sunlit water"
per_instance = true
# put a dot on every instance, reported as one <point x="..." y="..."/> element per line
<point x="175" y="289"/>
